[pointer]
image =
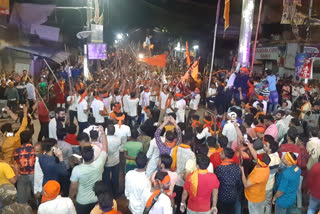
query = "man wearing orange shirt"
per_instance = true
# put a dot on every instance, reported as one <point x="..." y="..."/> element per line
<point x="255" y="183"/>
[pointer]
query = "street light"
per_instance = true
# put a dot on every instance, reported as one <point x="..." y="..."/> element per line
<point x="119" y="36"/>
<point x="141" y="55"/>
<point x="196" y="47"/>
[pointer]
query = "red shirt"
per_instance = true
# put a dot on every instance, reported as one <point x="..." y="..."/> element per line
<point x="216" y="160"/>
<point x="206" y="183"/>
<point x="313" y="181"/>
<point x="43" y="113"/>
<point x="72" y="139"/>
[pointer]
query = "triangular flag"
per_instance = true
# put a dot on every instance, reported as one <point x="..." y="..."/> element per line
<point x="188" y="54"/>
<point x="226" y="14"/>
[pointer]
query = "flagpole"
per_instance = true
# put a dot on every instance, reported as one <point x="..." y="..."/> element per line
<point x="256" y="38"/>
<point x="214" y="41"/>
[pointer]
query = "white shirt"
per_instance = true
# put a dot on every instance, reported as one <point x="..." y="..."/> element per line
<point x="107" y="103"/>
<point x="73" y="99"/>
<point x="59" y="205"/>
<point x="212" y="92"/>
<point x="133" y="105"/>
<point x="204" y="134"/>
<point x="97" y="106"/>
<point x="153" y="156"/>
<point x="231" y="80"/>
<point x="82" y="106"/>
<point x="181" y="106"/>
<point x="53" y="129"/>
<point x="173" y="103"/>
<point x="162" y="206"/>
<point x="38" y="177"/>
<point x="31" y="92"/>
<point x="145" y="99"/>
<point x="230" y="131"/>
<point x="137" y="190"/>
<point x="194" y="103"/>
<point x="265" y="105"/>
<point x="123" y="133"/>
<point x="163" y="98"/>
<point x="114" y="143"/>
<point x="125" y="103"/>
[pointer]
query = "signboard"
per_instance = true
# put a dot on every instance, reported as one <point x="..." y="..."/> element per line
<point x="97" y="51"/>
<point x="4" y="7"/>
<point x="312" y="50"/>
<point x="307" y="68"/>
<point x="269" y="53"/>
<point x="300" y="58"/>
<point x="97" y="33"/>
<point x="45" y="32"/>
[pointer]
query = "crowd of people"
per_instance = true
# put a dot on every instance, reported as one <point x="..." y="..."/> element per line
<point x="253" y="146"/>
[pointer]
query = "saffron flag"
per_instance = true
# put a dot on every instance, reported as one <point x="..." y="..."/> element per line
<point x="193" y="71"/>
<point x="226" y="14"/>
<point x="188" y="54"/>
<point x="158" y="60"/>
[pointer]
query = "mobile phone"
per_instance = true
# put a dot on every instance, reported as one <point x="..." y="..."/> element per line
<point x="77" y="156"/>
<point x="54" y="149"/>
<point x="3" y="109"/>
<point x="9" y="134"/>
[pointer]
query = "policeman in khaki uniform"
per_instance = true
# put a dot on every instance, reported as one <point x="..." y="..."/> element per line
<point x="8" y="201"/>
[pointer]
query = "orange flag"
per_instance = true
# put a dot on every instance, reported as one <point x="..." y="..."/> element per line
<point x="226" y="14"/>
<point x="158" y="60"/>
<point x="193" y="71"/>
<point x="188" y="54"/>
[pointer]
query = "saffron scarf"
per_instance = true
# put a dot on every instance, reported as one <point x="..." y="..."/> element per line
<point x="165" y="180"/>
<point x="120" y="119"/>
<point x="194" y="180"/>
<point x="168" y="102"/>
<point x="208" y="123"/>
<point x="113" y="211"/>
<point x="83" y="95"/>
<point x="227" y="162"/>
<point x="174" y="155"/>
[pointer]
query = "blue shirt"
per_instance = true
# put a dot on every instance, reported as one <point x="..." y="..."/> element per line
<point x="230" y="182"/>
<point x="287" y="182"/>
<point x="51" y="169"/>
<point x="272" y="83"/>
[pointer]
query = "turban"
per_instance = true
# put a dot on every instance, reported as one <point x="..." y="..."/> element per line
<point x="50" y="191"/>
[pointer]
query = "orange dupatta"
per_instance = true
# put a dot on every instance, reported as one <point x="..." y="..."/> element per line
<point x="174" y="155"/>
<point x="194" y="179"/>
<point x="207" y="124"/>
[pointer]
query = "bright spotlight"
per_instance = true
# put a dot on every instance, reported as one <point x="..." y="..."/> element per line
<point x="196" y="47"/>
<point x="119" y="36"/>
<point x="141" y="55"/>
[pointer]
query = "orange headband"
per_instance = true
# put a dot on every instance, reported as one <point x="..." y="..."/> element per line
<point x="262" y="164"/>
<point x="290" y="159"/>
<point x="195" y="123"/>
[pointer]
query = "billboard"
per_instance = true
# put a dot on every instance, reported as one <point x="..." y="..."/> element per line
<point x="97" y="51"/>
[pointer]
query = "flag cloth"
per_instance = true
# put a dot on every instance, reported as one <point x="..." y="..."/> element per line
<point x="226" y="14"/>
<point x="193" y="71"/>
<point x="188" y="54"/>
<point x="158" y="60"/>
